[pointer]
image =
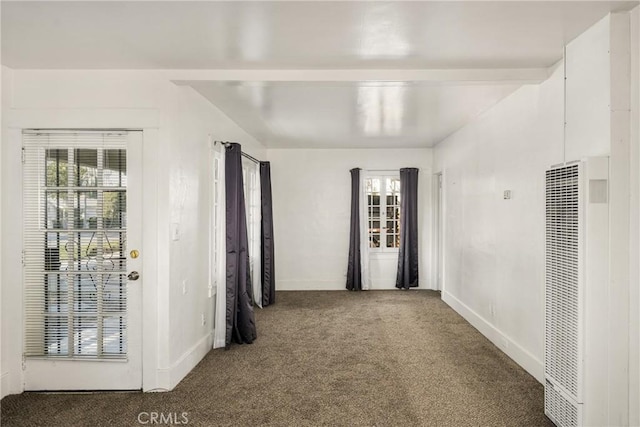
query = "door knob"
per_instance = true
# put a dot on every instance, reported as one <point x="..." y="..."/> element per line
<point x="134" y="275"/>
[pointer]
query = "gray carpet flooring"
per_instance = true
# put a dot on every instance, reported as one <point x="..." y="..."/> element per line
<point x="377" y="358"/>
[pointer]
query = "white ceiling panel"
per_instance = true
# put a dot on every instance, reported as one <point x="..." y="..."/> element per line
<point x="351" y="115"/>
<point x="349" y="34"/>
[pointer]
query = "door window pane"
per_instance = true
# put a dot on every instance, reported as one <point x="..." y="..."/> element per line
<point x="114" y="209"/>
<point x="77" y="267"/>
<point x="86" y="167"/>
<point x="56" y="167"/>
<point x="115" y="168"/>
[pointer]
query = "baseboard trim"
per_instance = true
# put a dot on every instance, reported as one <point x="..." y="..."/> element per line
<point x="512" y="349"/>
<point x="310" y="285"/>
<point x="329" y="285"/>
<point x="169" y="378"/>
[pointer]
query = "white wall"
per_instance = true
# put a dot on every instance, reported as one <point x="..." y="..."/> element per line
<point x="311" y="209"/>
<point x="178" y="124"/>
<point x="588" y="94"/>
<point x="2" y="376"/>
<point x="634" y="249"/>
<point x="620" y="285"/>
<point x="194" y="119"/>
<point x="599" y="122"/>
<point x="10" y="362"/>
<point x="494" y="248"/>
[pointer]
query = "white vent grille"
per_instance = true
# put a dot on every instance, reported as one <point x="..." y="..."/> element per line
<point x="561" y="410"/>
<point x="562" y="280"/>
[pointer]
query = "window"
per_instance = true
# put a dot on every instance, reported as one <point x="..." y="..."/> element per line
<point x="383" y="212"/>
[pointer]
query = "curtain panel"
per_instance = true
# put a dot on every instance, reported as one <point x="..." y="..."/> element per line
<point x="255" y="219"/>
<point x="408" y="254"/>
<point x="240" y="327"/>
<point x="266" y="237"/>
<point x="219" y="248"/>
<point x="365" y="274"/>
<point x="354" y="268"/>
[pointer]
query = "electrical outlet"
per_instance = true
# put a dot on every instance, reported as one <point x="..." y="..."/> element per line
<point x="202" y="319"/>
<point x="184" y="287"/>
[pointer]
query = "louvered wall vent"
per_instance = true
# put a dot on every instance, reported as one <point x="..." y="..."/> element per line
<point x="561" y="410"/>
<point x="576" y="292"/>
<point x="562" y="239"/>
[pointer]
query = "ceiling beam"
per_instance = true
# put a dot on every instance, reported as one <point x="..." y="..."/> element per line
<point x="458" y="75"/>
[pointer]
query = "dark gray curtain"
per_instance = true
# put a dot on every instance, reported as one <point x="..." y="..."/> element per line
<point x="268" y="263"/>
<point x="354" y="271"/>
<point x="241" y="326"/>
<point x="408" y="254"/>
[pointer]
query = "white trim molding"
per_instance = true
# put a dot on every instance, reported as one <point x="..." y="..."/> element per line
<point x="4" y="385"/>
<point x="521" y="356"/>
<point x="169" y="378"/>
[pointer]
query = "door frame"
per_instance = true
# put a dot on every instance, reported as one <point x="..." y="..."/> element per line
<point x="384" y="260"/>
<point x="437" y="234"/>
<point x="135" y="119"/>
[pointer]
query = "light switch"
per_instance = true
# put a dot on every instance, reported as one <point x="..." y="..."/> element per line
<point x="507" y="194"/>
<point x="175" y="231"/>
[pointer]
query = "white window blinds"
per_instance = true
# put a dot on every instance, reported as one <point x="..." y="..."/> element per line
<point x="75" y="227"/>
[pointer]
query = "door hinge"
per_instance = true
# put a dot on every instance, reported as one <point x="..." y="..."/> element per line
<point x="23" y="155"/>
<point x="23" y="257"/>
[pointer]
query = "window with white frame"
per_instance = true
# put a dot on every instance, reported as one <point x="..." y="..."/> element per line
<point x="383" y="212"/>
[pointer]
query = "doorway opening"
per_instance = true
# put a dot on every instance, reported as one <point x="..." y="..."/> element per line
<point x="438" y="232"/>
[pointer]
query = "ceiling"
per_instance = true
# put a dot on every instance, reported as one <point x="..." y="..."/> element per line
<point x="289" y="35"/>
<point x="351" y="115"/>
<point x="348" y="34"/>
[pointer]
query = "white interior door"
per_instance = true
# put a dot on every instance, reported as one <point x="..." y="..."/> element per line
<point x="82" y="246"/>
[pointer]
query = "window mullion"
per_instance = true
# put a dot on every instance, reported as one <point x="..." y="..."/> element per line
<point x="383" y="214"/>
